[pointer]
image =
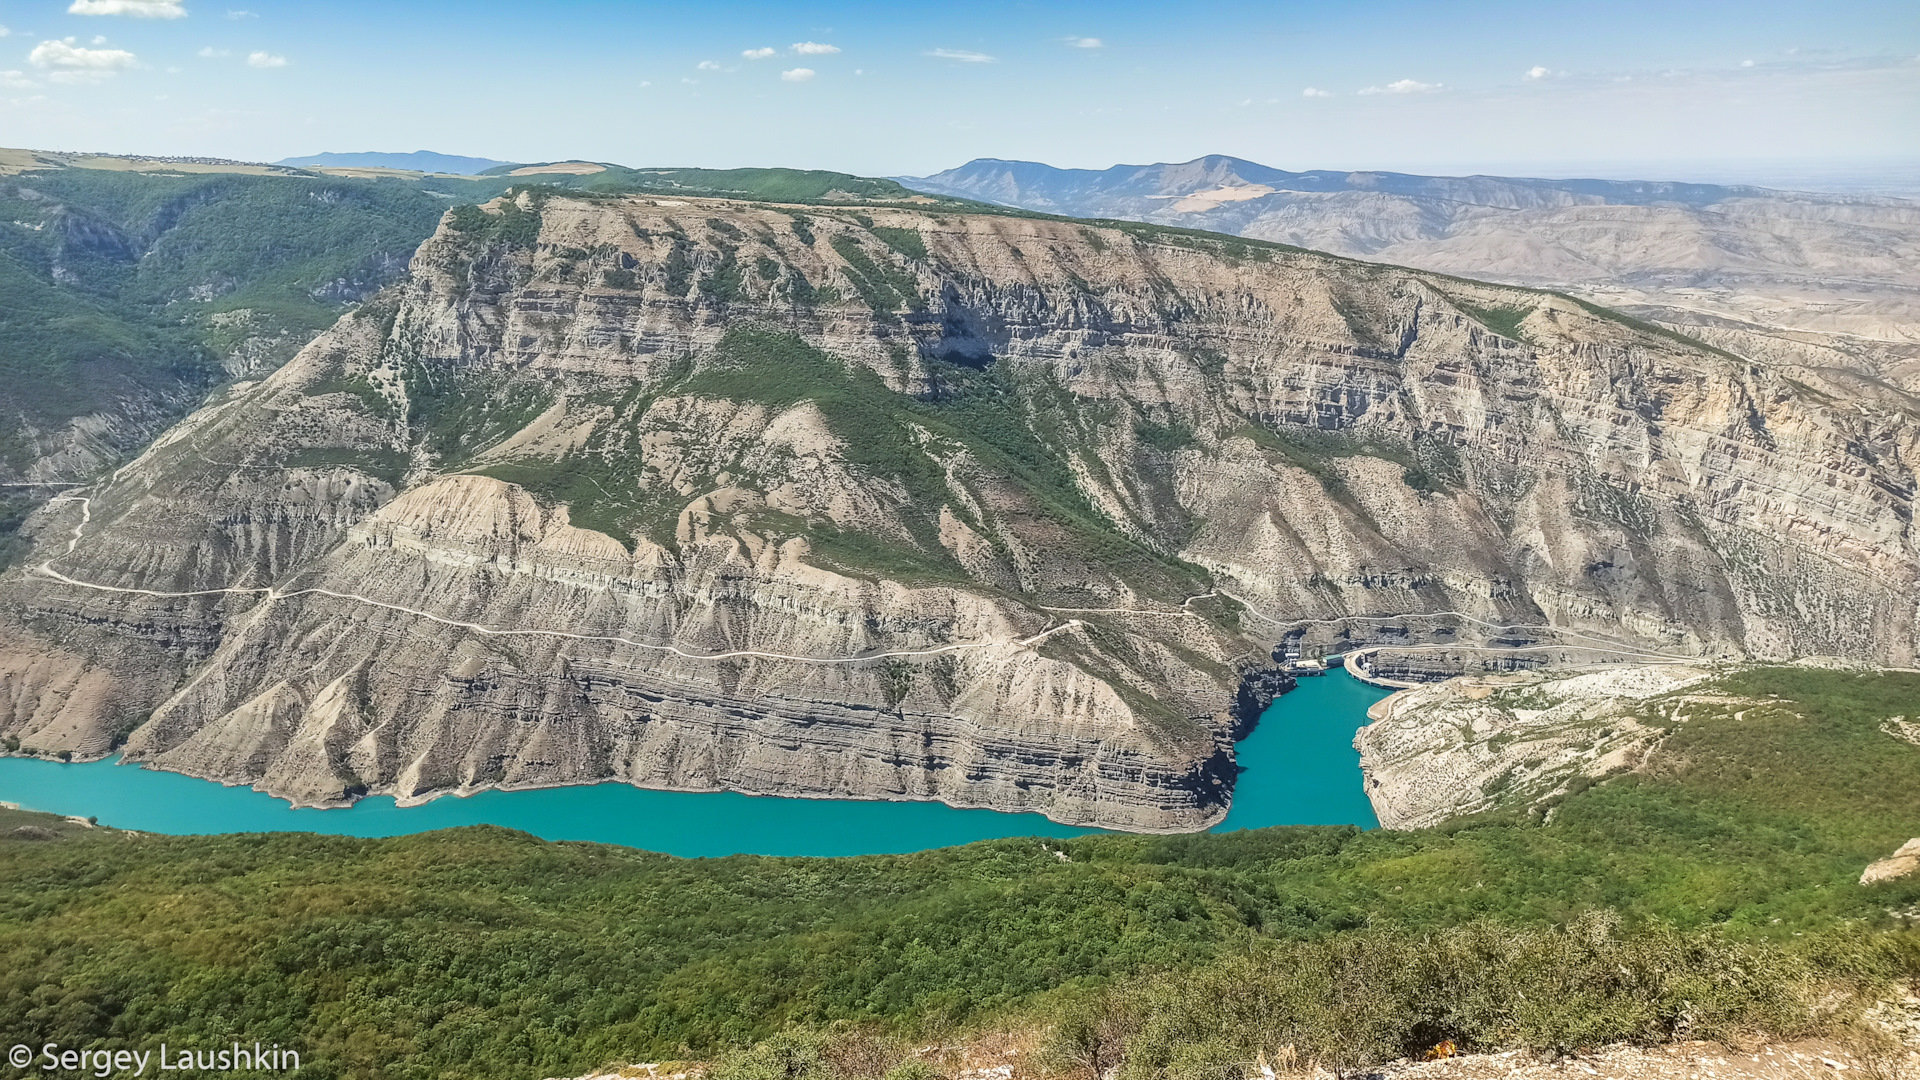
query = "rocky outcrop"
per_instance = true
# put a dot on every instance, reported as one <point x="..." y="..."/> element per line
<point x="887" y="503"/>
<point x="1259" y="688"/>
<point x="1898" y="865"/>
<point x="1471" y="744"/>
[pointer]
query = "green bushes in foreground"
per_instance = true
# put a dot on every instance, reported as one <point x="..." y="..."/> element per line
<point x="1384" y="993"/>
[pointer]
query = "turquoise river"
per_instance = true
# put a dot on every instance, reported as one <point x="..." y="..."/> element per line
<point x="1299" y="765"/>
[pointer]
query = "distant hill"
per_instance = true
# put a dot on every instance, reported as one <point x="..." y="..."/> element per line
<point x="1219" y="180"/>
<point x="419" y="161"/>
<point x="130" y="286"/>
<point x="1822" y="279"/>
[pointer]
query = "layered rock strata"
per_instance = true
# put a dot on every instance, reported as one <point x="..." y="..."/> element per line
<point x="886" y="503"/>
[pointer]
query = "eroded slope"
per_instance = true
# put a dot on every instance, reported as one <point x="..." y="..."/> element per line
<point x="700" y="494"/>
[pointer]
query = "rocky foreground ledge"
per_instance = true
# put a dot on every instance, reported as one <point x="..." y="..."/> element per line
<point x="1885" y="1047"/>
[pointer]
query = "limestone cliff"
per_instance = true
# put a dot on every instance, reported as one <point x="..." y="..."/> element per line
<point x="894" y="503"/>
<point x="1479" y="742"/>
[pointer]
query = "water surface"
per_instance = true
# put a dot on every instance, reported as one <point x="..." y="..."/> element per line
<point x="1301" y="769"/>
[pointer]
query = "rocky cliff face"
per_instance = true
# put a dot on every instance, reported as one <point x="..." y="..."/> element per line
<point x="890" y="503"/>
<point x="1826" y="284"/>
<point x="1485" y="741"/>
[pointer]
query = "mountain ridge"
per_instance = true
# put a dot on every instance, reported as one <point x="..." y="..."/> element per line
<point x="442" y="548"/>
<point x="982" y="174"/>
<point x="426" y="161"/>
<point x="1827" y="282"/>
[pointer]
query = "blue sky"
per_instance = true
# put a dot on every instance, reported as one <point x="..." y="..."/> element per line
<point x="1678" y="87"/>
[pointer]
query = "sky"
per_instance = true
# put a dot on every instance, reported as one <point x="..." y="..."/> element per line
<point x="1676" y="89"/>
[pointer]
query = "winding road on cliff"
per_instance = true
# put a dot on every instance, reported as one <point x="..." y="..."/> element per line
<point x="270" y="594"/>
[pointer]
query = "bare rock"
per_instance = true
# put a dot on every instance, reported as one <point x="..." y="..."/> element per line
<point x="1901" y="863"/>
<point x="697" y="494"/>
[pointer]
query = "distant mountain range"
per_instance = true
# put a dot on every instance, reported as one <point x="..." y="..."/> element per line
<point x="1823" y="279"/>
<point x="418" y="161"/>
<point x="1562" y="232"/>
<point x="1218" y="181"/>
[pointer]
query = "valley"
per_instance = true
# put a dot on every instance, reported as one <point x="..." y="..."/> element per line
<point x="904" y="502"/>
<point x="1719" y="880"/>
<point x="477" y="605"/>
<point x="609" y="541"/>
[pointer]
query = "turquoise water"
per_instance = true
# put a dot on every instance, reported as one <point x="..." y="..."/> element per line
<point x="1300" y="769"/>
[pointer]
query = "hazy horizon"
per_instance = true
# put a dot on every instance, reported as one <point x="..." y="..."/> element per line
<point x="1723" y="92"/>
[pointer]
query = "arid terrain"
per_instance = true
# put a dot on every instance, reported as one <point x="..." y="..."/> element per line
<point x="1826" y="283"/>
<point x="918" y="504"/>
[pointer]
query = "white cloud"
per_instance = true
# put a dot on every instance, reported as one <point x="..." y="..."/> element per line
<point x="646" y="82"/>
<point x="1746" y="63"/>
<point x="707" y="65"/>
<point x="266" y="60"/>
<point x="813" y="48"/>
<point x="211" y="53"/>
<point x="1538" y="72"/>
<point x="139" y="9"/>
<point x="243" y="14"/>
<point x="16" y="80"/>
<point x="1314" y="91"/>
<point x="74" y="63"/>
<point x="4" y="31"/>
<point x="759" y="54"/>
<point x="962" y="55"/>
<point x="797" y="75"/>
<point x="1085" y="42"/>
<point x="1404" y="86"/>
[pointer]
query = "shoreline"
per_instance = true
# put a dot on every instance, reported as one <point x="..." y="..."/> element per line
<point x="1266" y="692"/>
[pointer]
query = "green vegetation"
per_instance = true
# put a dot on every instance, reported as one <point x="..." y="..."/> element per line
<point x="1166" y="438"/>
<point x="725" y="283"/>
<point x="65" y="353"/>
<point x="1652" y="329"/>
<point x="1712" y="891"/>
<point x="764" y="185"/>
<point x="510" y="225"/>
<point x="125" y="291"/>
<point x="883" y="286"/>
<point x="1018" y="438"/>
<point x="1502" y="320"/>
<point x="800" y="226"/>
<point x="679" y="267"/>
<point x="907" y="242"/>
<point x="596" y="496"/>
<point x="455" y="414"/>
<point x="368" y="394"/>
<point x="387" y="465"/>
<point x="1428" y="465"/>
<point x="981" y="411"/>
<point x="15" y="505"/>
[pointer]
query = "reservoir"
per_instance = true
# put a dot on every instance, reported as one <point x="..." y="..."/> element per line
<point x="1299" y="765"/>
